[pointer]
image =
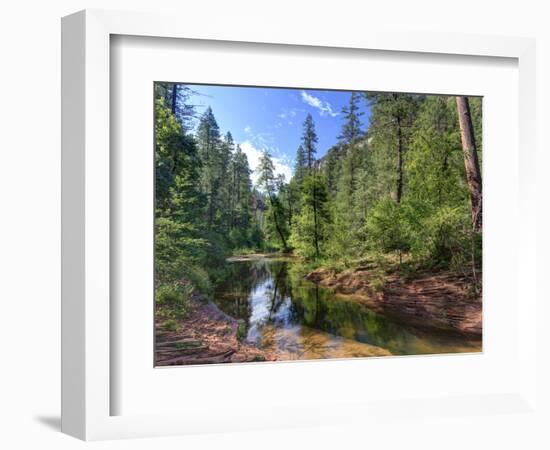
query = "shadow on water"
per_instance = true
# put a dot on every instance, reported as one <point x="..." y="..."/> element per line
<point x="285" y="313"/>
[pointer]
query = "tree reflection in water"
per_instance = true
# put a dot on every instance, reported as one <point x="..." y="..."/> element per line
<point x="298" y="319"/>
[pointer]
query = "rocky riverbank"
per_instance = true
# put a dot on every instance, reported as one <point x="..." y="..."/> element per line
<point x="209" y="336"/>
<point x="205" y="336"/>
<point x="431" y="300"/>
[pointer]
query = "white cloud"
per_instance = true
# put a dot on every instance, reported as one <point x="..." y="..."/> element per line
<point x="287" y="114"/>
<point x="263" y="141"/>
<point x="253" y="154"/>
<point x="324" y="108"/>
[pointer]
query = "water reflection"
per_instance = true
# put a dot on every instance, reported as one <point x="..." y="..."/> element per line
<point x="289" y="315"/>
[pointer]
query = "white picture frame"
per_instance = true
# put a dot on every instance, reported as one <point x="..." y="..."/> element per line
<point x="87" y="329"/>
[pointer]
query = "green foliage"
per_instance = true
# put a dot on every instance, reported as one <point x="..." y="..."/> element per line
<point x="387" y="227"/>
<point x="212" y="155"/>
<point x="377" y="280"/>
<point x="276" y="226"/>
<point x="240" y="198"/>
<point x="437" y="201"/>
<point x="351" y="131"/>
<point x="332" y="166"/>
<point x="198" y="276"/>
<point x="443" y="236"/>
<point x="311" y="228"/>
<point x="401" y="191"/>
<point x="309" y="142"/>
<point x="176" y="98"/>
<point x="172" y="300"/>
<point x="300" y="168"/>
<point x="177" y="166"/>
<point x="204" y="198"/>
<point x="241" y="330"/>
<point x="395" y="194"/>
<point x="170" y="325"/>
<point x="176" y="248"/>
<point x="349" y="205"/>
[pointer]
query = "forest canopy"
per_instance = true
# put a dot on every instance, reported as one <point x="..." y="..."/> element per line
<point x="401" y="191"/>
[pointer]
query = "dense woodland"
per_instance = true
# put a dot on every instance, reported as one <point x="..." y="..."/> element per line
<point x="402" y="192"/>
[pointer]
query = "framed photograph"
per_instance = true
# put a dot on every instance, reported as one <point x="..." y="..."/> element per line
<point x="348" y="225"/>
<point x="246" y="209"/>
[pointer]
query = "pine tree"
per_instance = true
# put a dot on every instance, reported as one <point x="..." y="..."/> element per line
<point x="332" y="165"/>
<point x="391" y="124"/>
<point x="350" y="203"/>
<point x="224" y="213"/>
<point x="310" y="231"/>
<point x="300" y="167"/>
<point x="346" y="177"/>
<point x="268" y="182"/>
<point x="210" y="153"/>
<point x="240" y="202"/>
<point x="177" y="166"/>
<point x="408" y="188"/>
<point x="309" y="142"/>
<point x="179" y="203"/>
<point x="351" y="130"/>
<point x="436" y="190"/>
<point x="176" y="97"/>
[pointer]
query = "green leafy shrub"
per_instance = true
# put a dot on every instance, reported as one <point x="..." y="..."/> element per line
<point x="387" y="227"/>
<point x="172" y="300"/>
<point x="199" y="278"/>
<point x="241" y="330"/>
<point x="377" y="281"/>
<point x="170" y="325"/>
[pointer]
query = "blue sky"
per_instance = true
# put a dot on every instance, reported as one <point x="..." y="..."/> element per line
<point x="271" y="118"/>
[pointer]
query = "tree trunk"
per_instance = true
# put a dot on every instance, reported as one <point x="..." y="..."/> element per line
<point x="399" y="190"/>
<point x="211" y="209"/>
<point x="277" y="226"/>
<point x="315" y="232"/>
<point x="471" y="161"/>
<point x="174" y="98"/>
<point x="289" y="197"/>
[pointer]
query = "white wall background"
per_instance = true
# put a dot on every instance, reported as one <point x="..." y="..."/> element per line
<point x="30" y="198"/>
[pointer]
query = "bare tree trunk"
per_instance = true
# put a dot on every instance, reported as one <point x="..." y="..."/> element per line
<point x="471" y="161"/>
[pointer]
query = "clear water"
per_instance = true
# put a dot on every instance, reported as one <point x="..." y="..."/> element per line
<point x="297" y="319"/>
